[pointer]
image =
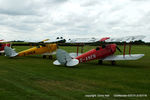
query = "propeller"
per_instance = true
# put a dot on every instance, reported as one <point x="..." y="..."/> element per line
<point x="118" y="49"/>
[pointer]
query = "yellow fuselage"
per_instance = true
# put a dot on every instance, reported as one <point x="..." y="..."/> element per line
<point x="48" y="48"/>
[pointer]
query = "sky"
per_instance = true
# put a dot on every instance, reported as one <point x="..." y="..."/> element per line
<point x="40" y="19"/>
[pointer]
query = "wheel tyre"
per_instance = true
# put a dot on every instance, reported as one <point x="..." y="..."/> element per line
<point x="100" y="62"/>
<point x="44" y="56"/>
<point x="50" y="57"/>
<point x="113" y="62"/>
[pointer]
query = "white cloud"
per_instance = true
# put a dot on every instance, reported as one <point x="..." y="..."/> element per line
<point x="38" y="19"/>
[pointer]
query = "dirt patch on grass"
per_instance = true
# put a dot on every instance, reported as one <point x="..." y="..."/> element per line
<point x="3" y="71"/>
<point x="64" y="85"/>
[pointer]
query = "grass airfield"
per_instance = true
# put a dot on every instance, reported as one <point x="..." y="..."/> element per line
<point x="35" y="78"/>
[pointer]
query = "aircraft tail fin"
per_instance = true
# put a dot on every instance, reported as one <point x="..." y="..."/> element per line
<point x="63" y="58"/>
<point x="10" y="52"/>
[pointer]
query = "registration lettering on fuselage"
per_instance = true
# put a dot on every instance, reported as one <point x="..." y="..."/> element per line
<point x="90" y="57"/>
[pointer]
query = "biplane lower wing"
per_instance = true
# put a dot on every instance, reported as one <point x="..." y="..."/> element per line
<point x="48" y="53"/>
<point x="73" y="55"/>
<point x="123" y="57"/>
<point x="2" y="51"/>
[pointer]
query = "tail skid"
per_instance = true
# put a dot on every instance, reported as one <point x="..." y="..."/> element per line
<point x="10" y="52"/>
<point x="63" y="58"/>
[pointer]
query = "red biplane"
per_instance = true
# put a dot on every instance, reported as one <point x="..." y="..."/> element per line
<point x="3" y="44"/>
<point x="102" y="53"/>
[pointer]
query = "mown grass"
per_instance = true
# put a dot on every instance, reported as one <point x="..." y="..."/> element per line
<point x="35" y="78"/>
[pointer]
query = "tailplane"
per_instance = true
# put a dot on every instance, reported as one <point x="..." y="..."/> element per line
<point x="10" y="52"/>
<point x="63" y="58"/>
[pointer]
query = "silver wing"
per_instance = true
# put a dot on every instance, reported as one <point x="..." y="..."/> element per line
<point x="126" y="39"/>
<point x="73" y="55"/>
<point x="121" y="57"/>
<point x="82" y="40"/>
<point x="48" y="53"/>
<point x="53" y="40"/>
<point x="2" y="51"/>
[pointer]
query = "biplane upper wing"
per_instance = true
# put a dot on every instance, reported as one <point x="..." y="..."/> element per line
<point x="86" y="40"/>
<point x="123" y="57"/>
<point x="45" y="41"/>
<point x="81" y="40"/>
<point x="106" y="39"/>
<point x="126" y="39"/>
<point x="4" y="41"/>
<point x="53" y="40"/>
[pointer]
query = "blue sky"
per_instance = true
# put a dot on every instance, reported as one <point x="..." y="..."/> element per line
<point x="40" y="19"/>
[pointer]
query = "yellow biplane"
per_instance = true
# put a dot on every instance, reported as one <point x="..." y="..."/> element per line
<point x="46" y="49"/>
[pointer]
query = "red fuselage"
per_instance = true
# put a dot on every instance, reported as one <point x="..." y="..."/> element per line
<point x="98" y="53"/>
<point x="3" y="45"/>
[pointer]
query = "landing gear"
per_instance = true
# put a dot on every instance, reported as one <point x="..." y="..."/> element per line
<point x="50" y="57"/>
<point x="113" y="62"/>
<point x="44" y="56"/>
<point x="100" y="62"/>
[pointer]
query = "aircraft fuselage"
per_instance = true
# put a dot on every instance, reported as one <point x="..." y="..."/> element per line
<point x="48" y="48"/>
<point x="98" y="53"/>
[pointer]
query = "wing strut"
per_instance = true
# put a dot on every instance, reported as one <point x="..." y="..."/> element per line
<point x="77" y="49"/>
<point x="82" y="48"/>
<point x="124" y="50"/>
<point x="130" y="48"/>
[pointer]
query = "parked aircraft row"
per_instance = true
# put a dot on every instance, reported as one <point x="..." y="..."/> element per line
<point x="105" y="52"/>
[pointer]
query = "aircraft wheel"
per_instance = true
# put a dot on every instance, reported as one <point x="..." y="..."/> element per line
<point x="44" y="56"/>
<point x="113" y="62"/>
<point x="100" y="62"/>
<point x="50" y="57"/>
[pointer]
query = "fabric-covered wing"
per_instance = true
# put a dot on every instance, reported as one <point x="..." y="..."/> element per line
<point x="2" y="51"/>
<point x="48" y="53"/>
<point x="121" y="57"/>
<point x="73" y="55"/>
<point x="53" y="40"/>
<point x="86" y="40"/>
<point x="126" y="39"/>
<point x="82" y="40"/>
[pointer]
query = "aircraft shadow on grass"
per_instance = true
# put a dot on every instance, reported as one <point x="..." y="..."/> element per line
<point x="119" y="64"/>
